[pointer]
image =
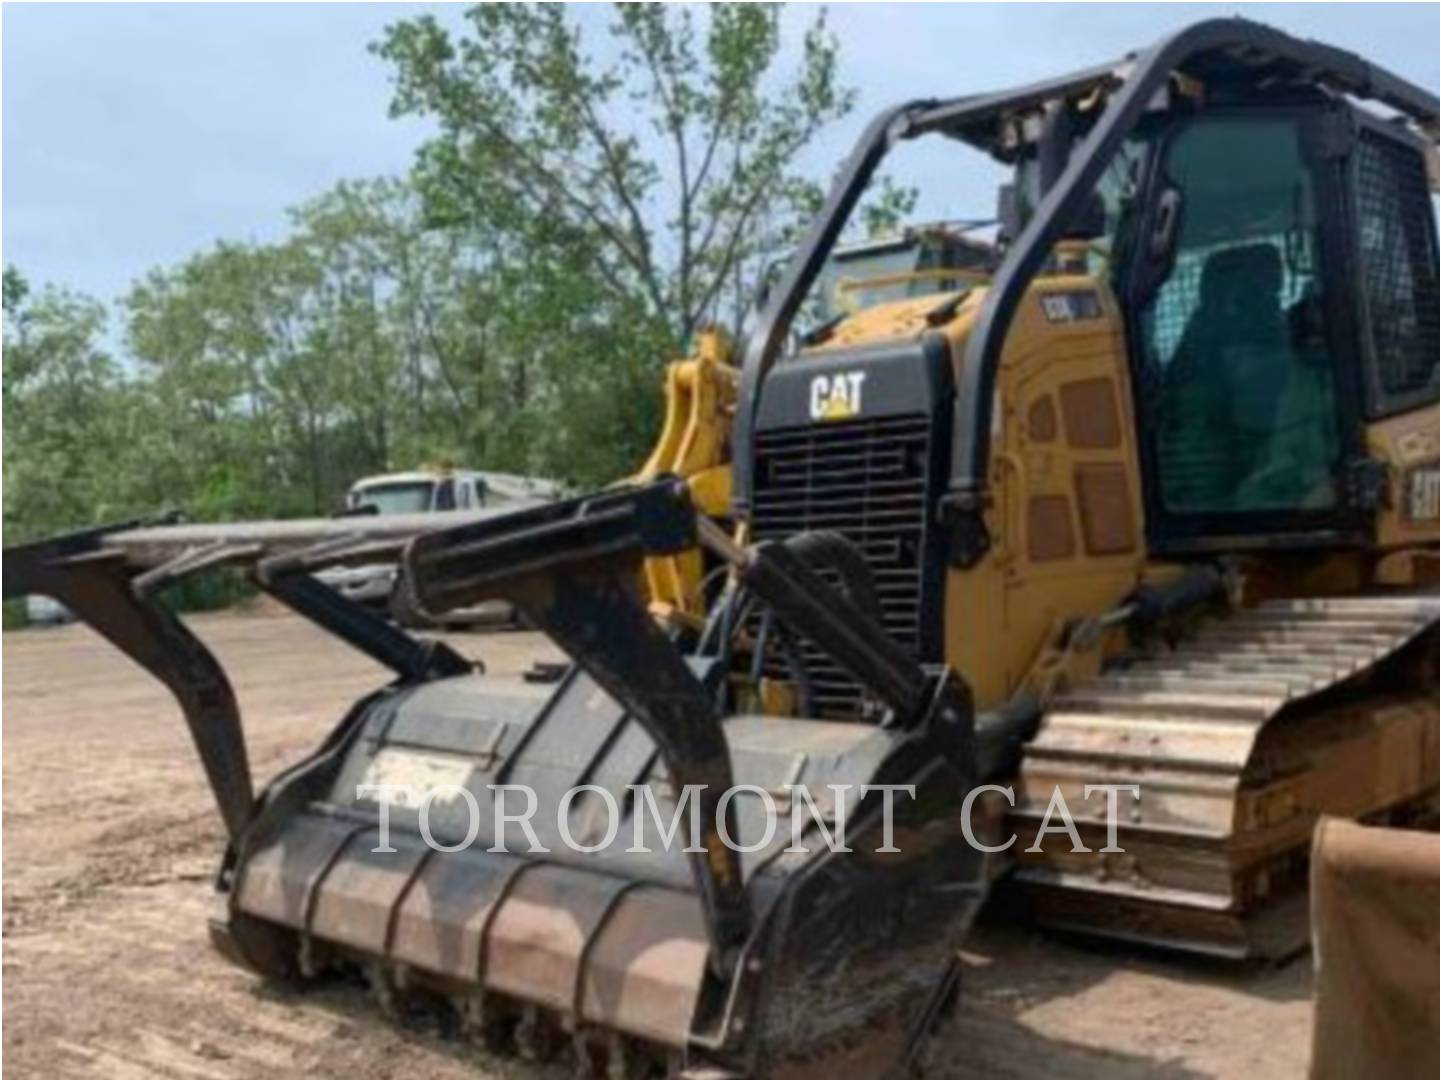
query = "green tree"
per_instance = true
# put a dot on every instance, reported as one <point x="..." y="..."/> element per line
<point x="240" y="401"/>
<point x="437" y="349"/>
<point x="666" y="169"/>
<point x="69" y="417"/>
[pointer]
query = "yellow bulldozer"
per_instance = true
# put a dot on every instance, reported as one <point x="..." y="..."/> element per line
<point x="1128" y="515"/>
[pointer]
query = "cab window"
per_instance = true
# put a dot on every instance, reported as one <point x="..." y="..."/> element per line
<point x="1399" y="270"/>
<point x="403" y="497"/>
<point x="1233" y="334"/>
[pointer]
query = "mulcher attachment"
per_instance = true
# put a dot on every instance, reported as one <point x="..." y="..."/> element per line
<point x="402" y="847"/>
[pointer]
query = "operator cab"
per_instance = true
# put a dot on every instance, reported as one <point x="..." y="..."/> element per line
<point x="1279" y="278"/>
<point x="1271" y="244"/>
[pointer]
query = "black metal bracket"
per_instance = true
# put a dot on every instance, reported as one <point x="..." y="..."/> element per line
<point x="109" y="595"/>
<point x="409" y="657"/>
<point x="834" y="622"/>
<point x="574" y="569"/>
<point x="962" y="516"/>
<point x="1366" y="483"/>
<point x="98" y="587"/>
<point x="286" y="578"/>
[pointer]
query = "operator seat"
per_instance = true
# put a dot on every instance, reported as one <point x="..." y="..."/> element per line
<point x="1240" y="316"/>
<point x="1224" y="386"/>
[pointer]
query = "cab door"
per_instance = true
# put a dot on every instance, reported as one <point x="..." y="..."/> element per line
<point x="1243" y="348"/>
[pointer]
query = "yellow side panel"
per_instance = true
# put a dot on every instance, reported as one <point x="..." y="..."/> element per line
<point x="1067" y="518"/>
<point x="1410" y="445"/>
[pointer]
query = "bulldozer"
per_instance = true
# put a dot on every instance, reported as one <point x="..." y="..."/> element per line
<point x="1138" y="529"/>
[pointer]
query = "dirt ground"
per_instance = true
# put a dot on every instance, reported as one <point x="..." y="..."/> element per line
<point x="110" y="842"/>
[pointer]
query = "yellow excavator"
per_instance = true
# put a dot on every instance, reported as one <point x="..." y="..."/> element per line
<point x="1134" y="516"/>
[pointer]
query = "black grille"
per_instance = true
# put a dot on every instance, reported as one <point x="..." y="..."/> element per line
<point x="868" y="480"/>
<point x="1400" y="265"/>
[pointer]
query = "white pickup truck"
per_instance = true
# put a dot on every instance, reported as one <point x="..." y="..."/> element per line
<point x="425" y="491"/>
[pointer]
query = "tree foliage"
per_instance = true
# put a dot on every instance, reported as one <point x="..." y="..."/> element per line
<point x="662" y="162"/>
<point x="68" y="415"/>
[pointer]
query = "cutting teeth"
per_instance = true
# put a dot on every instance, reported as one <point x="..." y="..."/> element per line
<point x="538" y="1036"/>
<point x="488" y="1023"/>
<point x="384" y="988"/>
<point x="611" y="1056"/>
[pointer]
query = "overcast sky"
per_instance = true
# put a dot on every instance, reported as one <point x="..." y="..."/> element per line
<point x="135" y="135"/>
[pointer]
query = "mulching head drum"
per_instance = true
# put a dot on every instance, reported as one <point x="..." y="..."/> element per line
<point x="614" y="942"/>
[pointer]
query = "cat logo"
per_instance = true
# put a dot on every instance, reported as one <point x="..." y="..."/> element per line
<point x="836" y="397"/>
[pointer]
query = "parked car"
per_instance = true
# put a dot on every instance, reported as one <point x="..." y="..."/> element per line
<point x="426" y="490"/>
<point x="46" y="611"/>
